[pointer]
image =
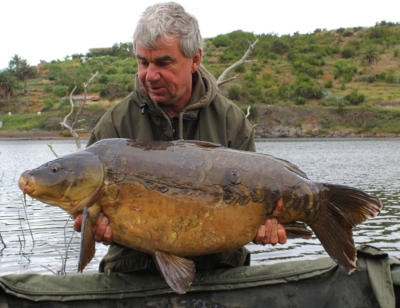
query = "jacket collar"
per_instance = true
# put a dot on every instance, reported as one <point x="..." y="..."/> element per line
<point x="204" y="91"/>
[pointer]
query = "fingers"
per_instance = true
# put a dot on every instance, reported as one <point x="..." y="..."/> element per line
<point x="102" y="231"/>
<point x="78" y="223"/>
<point x="271" y="233"/>
<point x="107" y="236"/>
<point x="260" y="235"/>
<point x="282" y="234"/>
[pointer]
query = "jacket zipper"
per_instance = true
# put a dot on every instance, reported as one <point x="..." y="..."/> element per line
<point x="173" y="128"/>
<point x="171" y="119"/>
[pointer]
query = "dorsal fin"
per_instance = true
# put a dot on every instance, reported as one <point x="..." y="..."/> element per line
<point x="200" y="143"/>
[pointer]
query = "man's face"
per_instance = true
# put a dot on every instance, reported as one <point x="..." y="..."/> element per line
<point x="166" y="74"/>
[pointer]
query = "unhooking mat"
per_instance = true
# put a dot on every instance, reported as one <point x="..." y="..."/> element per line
<point x="311" y="283"/>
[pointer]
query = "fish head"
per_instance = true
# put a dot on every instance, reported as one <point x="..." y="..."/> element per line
<point x="70" y="182"/>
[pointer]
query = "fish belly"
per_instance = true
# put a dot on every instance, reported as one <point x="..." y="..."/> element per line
<point x="179" y="223"/>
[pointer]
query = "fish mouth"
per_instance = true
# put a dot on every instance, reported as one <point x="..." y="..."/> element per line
<point x="26" y="184"/>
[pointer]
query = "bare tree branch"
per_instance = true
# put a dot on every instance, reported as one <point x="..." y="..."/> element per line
<point x="85" y="85"/>
<point x="248" y="111"/>
<point x="226" y="81"/>
<point x="2" y="241"/>
<point x="50" y="145"/>
<point x="65" y="124"/>
<point x="221" y="78"/>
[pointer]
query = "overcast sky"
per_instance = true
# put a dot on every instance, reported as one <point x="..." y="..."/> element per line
<point x="52" y="29"/>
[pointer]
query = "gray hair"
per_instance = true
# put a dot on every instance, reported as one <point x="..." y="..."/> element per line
<point x="168" y="20"/>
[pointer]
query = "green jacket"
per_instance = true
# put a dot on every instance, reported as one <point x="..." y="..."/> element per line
<point x="209" y="116"/>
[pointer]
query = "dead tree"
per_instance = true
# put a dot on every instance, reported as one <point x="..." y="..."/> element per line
<point x="243" y="60"/>
<point x="64" y="123"/>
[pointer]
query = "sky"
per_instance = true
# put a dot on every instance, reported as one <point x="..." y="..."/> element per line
<point x="53" y="29"/>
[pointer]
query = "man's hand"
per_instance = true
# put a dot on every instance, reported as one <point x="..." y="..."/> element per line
<point x="101" y="230"/>
<point x="271" y="233"/>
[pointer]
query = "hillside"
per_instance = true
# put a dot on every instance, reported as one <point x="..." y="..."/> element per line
<point x="327" y="83"/>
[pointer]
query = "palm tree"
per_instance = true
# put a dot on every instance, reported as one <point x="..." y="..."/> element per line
<point x="15" y="62"/>
<point x="8" y="82"/>
<point x="24" y="72"/>
<point x="369" y="56"/>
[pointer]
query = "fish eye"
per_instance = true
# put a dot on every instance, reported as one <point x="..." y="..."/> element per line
<point x="55" y="168"/>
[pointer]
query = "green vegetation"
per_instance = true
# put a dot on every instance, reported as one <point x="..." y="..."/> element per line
<point x="341" y="70"/>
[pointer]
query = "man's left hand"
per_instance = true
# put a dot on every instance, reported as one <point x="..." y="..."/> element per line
<point x="271" y="233"/>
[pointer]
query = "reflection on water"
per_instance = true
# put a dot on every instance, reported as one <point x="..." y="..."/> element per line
<point x="38" y="245"/>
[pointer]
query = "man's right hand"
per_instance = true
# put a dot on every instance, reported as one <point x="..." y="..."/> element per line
<point x="101" y="229"/>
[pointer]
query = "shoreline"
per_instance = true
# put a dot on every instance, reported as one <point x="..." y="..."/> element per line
<point x="55" y="135"/>
<point x="37" y="135"/>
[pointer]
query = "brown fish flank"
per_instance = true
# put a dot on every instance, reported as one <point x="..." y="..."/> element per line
<point x="179" y="199"/>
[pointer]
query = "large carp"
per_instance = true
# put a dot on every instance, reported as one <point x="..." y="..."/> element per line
<point x="187" y="198"/>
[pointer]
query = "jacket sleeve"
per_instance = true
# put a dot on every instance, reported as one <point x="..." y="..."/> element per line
<point x="240" y="130"/>
<point x="104" y="129"/>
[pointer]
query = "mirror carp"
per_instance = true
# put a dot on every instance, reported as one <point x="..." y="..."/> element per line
<point x="175" y="199"/>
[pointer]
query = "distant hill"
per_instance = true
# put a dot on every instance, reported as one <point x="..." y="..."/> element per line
<point x="334" y="75"/>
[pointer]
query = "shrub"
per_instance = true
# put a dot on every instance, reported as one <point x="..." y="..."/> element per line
<point x="308" y="90"/>
<point x="60" y="90"/>
<point x="227" y="57"/>
<point x="103" y="79"/>
<point x="234" y="92"/>
<point x="347" y="33"/>
<point x="256" y="68"/>
<point x="340" y="30"/>
<point x="328" y="84"/>
<point x="114" y="90"/>
<point x="48" y="103"/>
<point x="300" y="100"/>
<point x="111" y="70"/>
<point x="221" y="40"/>
<point x="347" y="52"/>
<point x="390" y="78"/>
<point x="377" y="32"/>
<point x="97" y="87"/>
<point x="129" y="70"/>
<point x="331" y="49"/>
<point x="341" y="68"/>
<point x="285" y="91"/>
<point x="381" y="76"/>
<point x="48" y="88"/>
<point x="354" y="98"/>
<point x="279" y="47"/>
<point x="240" y="69"/>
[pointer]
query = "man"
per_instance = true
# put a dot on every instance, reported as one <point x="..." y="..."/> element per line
<point x="175" y="97"/>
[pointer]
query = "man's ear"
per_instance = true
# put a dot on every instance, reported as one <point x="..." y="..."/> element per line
<point x="197" y="60"/>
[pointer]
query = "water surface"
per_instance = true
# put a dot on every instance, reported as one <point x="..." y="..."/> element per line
<point x="39" y="243"/>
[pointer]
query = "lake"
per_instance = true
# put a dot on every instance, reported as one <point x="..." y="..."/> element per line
<point x="39" y="238"/>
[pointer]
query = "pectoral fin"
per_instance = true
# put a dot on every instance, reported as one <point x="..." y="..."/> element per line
<point x="178" y="272"/>
<point x="87" y="241"/>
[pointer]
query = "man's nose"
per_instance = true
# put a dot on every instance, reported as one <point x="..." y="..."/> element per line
<point x="152" y="73"/>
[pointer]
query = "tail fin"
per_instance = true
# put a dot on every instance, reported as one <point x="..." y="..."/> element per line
<point x="344" y="207"/>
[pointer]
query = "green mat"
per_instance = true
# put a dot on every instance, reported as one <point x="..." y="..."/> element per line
<point x="312" y="283"/>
